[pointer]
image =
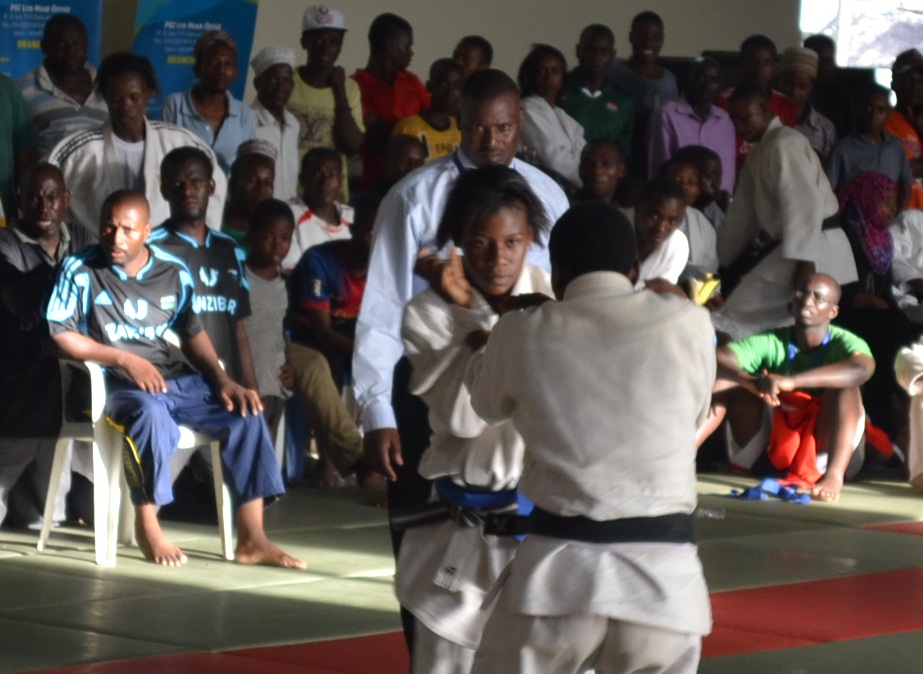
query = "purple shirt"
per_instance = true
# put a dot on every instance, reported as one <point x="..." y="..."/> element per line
<point x="675" y="125"/>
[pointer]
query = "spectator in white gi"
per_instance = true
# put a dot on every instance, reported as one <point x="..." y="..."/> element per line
<point x="551" y="134"/>
<point x="126" y="151"/>
<point x="783" y="198"/>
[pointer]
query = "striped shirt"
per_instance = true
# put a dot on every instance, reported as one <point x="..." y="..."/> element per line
<point x="55" y="114"/>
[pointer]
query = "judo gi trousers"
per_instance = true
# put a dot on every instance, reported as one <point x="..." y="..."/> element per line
<point x="150" y="424"/>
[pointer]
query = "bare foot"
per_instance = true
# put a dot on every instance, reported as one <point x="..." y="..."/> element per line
<point x="827" y="488"/>
<point x="154" y="545"/>
<point x="264" y="551"/>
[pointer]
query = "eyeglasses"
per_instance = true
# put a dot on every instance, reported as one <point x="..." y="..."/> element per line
<point x="818" y="298"/>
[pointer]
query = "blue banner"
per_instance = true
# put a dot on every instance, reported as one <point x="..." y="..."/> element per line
<point x="21" y="25"/>
<point x="167" y="30"/>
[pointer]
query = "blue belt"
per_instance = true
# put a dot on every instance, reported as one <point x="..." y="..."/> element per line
<point x="501" y="513"/>
<point x="473" y="499"/>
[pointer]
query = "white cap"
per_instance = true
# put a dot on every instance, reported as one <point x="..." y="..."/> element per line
<point x="322" y="17"/>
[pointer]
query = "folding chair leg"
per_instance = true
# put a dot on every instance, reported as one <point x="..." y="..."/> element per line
<point x="61" y="449"/>
<point x="126" y="528"/>
<point x="107" y="471"/>
<point x="116" y="476"/>
<point x="223" y="504"/>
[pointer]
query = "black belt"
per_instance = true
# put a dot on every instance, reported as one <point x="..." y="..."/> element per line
<point x="673" y="528"/>
<point x="505" y="522"/>
<point x="832" y="222"/>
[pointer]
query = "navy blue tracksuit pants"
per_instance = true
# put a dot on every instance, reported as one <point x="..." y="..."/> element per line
<point x="150" y="423"/>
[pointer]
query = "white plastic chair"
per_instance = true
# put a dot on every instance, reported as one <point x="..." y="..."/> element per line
<point x="109" y="477"/>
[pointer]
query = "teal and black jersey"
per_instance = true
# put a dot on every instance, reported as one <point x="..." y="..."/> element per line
<point x="222" y="295"/>
<point x="100" y="301"/>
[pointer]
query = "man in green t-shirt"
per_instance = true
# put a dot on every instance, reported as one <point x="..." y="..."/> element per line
<point x="811" y="373"/>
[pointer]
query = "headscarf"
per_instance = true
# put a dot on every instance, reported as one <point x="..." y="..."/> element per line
<point x="271" y="56"/>
<point x="860" y="211"/>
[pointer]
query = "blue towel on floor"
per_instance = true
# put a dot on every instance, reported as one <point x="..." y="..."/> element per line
<point x="770" y="487"/>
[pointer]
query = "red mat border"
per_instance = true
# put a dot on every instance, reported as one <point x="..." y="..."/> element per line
<point x="909" y="528"/>
<point x="745" y="621"/>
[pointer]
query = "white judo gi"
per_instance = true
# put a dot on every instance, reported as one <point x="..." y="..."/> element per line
<point x="784" y="191"/>
<point x="607" y="388"/>
<point x="89" y="162"/>
<point x="445" y="570"/>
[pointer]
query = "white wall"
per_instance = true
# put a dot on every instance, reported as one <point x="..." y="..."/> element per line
<point x="510" y="25"/>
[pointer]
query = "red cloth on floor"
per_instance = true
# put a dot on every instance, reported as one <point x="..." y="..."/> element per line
<point x="878" y="439"/>
<point x="792" y="445"/>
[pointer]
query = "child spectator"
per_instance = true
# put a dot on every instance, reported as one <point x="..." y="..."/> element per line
<point x="327" y="287"/>
<point x="269" y="237"/>
<point x="868" y="206"/>
<point x="403" y="154"/>
<point x="319" y="217"/>
<point x="326" y="290"/>
<point x="327" y="104"/>
<point x="602" y="166"/>
<point x="663" y="251"/>
<point x="692" y="119"/>
<point x="252" y="180"/>
<point x="871" y="148"/>
<point x="554" y="136"/>
<point x="602" y="108"/>
<point x="796" y="81"/>
<point x="273" y="70"/>
<point x="703" y="253"/>
<point x="389" y="92"/>
<point x="712" y="199"/>
<point x="473" y="53"/>
<point x="437" y="127"/>
<point x="208" y="109"/>
<point x="492" y="215"/>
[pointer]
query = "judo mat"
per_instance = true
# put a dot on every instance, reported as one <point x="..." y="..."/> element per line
<point x="809" y="589"/>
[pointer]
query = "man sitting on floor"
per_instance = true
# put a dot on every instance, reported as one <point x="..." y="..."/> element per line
<point x="112" y="304"/>
<point x="811" y="374"/>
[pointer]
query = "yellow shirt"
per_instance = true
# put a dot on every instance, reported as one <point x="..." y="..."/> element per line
<point x="315" y="110"/>
<point x="437" y="143"/>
